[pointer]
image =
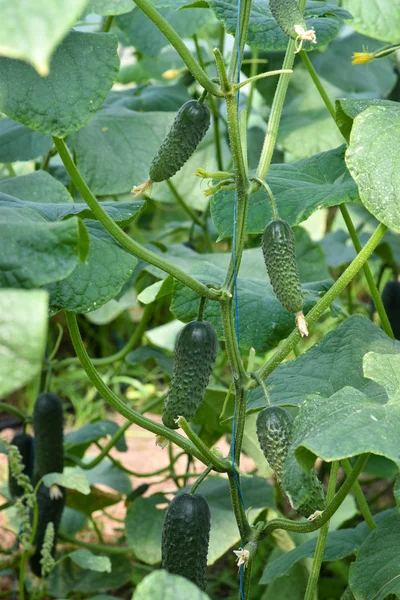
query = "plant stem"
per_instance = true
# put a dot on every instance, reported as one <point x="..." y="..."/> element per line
<point x="181" y="48"/>
<point x="117" y="403"/>
<point x="343" y="209"/>
<point x="10" y="169"/>
<point x="118" y="234"/>
<point x="261" y="76"/>
<point x="219" y="464"/>
<point x="95" y="547"/>
<point x="200" y="479"/>
<point x="241" y="27"/>
<point x="307" y="527"/>
<point x="231" y="342"/>
<point x="325" y="302"/>
<point x="253" y="72"/>
<point x="271" y="198"/>
<point x="14" y="411"/>
<point x="323" y="534"/>
<point x="104" y="451"/>
<point x="238" y="509"/>
<point x="191" y="214"/>
<point x="106" y="26"/>
<point x="361" y="501"/>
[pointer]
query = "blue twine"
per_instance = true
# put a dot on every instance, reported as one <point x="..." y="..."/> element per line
<point x="235" y="293"/>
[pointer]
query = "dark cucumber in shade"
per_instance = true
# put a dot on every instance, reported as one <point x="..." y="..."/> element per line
<point x="195" y="353"/>
<point x="391" y="302"/>
<point x="48" y="423"/>
<point x="50" y="510"/>
<point x="185" y="538"/>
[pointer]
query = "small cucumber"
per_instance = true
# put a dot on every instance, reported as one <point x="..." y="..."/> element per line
<point x="188" y="129"/>
<point x="274" y="432"/>
<point x="49" y="511"/>
<point x="185" y="538"/>
<point x="280" y="259"/>
<point x="195" y="353"/>
<point x="289" y="18"/>
<point x="391" y="302"/>
<point x="48" y="425"/>
<point x="24" y="443"/>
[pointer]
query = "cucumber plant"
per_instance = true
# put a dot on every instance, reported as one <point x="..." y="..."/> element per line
<point x="243" y="285"/>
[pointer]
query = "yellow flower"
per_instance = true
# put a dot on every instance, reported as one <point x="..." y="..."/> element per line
<point x="359" y="58"/>
<point x="171" y="74"/>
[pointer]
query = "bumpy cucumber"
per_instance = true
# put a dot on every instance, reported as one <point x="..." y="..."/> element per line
<point x="280" y="259"/>
<point x="48" y="426"/>
<point x="24" y="443"/>
<point x="288" y="16"/>
<point x="391" y="302"/>
<point x="185" y="538"/>
<point x="195" y="353"/>
<point x="188" y="129"/>
<point x="49" y="511"/>
<point x="274" y="432"/>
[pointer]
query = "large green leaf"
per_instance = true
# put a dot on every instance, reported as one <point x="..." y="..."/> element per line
<point x="329" y="366"/>
<point x="339" y="544"/>
<point x="263" y="320"/>
<point x="44" y="195"/>
<point x="162" y="585"/>
<point x="99" y="279"/>
<point x="376" y="572"/>
<point x="64" y="101"/>
<point x="91" y="432"/>
<point x="34" y="251"/>
<point x="115" y="150"/>
<point x="148" y="98"/>
<point x="143" y="526"/>
<point x="300" y="188"/>
<point x="325" y="427"/>
<point x="348" y="108"/>
<point x="109" y="474"/>
<point x="23" y="332"/>
<point x="87" y="560"/>
<point x="148" y="39"/>
<point x="31" y="29"/>
<point x="378" y="18"/>
<point x="17" y="142"/>
<point x="265" y="33"/>
<point x="293" y="585"/>
<point x="69" y="479"/>
<point x="109" y="7"/>
<point x="373" y="160"/>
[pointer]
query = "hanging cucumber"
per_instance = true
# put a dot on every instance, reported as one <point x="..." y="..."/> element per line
<point x="50" y="510"/>
<point x="185" y="538"/>
<point x="274" y="432"/>
<point x="289" y="18"/>
<point x="188" y="129"/>
<point x="391" y="302"/>
<point x="48" y="425"/>
<point x="24" y="443"/>
<point x="280" y="259"/>
<point x="195" y="353"/>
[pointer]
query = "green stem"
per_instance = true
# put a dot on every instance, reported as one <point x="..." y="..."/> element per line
<point x="95" y="547"/>
<point x="271" y="197"/>
<point x="307" y="527"/>
<point x="244" y="18"/>
<point x="323" y="534"/>
<point x="10" y="170"/>
<point x="253" y="73"/>
<point x="104" y="451"/>
<point x="191" y="214"/>
<point x="118" y="234"/>
<point x="120" y="355"/>
<point x="106" y="26"/>
<point x="359" y="494"/>
<point x="262" y="76"/>
<point x="181" y="48"/>
<point x="240" y="420"/>
<point x="326" y="301"/>
<point x="343" y="209"/>
<point x="262" y="385"/>
<point x="200" y="479"/>
<point x="231" y="343"/>
<point x="238" y="509"/>
<point x="14" y="411"/>
<point x="219" y="464"/>
<point x="117" y="403"/>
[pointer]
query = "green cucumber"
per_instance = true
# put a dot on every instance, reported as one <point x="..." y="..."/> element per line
<point x="288" y="16"/>
<point x="24" y="443"/>
<point x="188" y="129"/>
<point x="185" y="538"/>
<point x="49" y="511"/>
<point x="274" y="432"/>
<point x="195" y="353"/>
<point x="391" y="302"/>
<point x="280" y="259"/>
<point x="48" y="425"/>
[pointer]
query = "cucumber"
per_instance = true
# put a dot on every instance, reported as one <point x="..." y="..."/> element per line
<point x="48" y="425"/>
<point x="280" y="259"/>
<point x="391" y="302"/>
<point x="288" y="16"/>
<point x="49" y="510"/>
<point x="274" y="432"/>
<point x="188" y="129"/>
<point x="195" y="353"/>
<point x="185" y="538"/>
<point x="24" y="443"/>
